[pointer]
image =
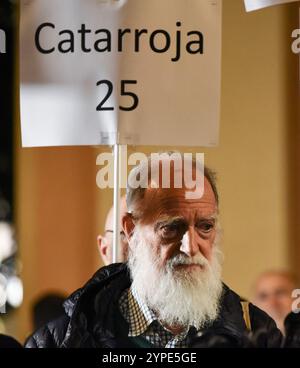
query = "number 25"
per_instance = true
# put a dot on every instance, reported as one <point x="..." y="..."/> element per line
<point x="124" y="92"/>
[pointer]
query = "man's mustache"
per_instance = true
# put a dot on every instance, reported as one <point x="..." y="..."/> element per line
<point x="181" y="259"/>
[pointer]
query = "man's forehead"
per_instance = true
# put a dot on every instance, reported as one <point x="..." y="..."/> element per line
<point x="109" y="222"/>
<point x="274" y="281"/>
<point x="173" y="202"/>
<point x="169" y="196"/>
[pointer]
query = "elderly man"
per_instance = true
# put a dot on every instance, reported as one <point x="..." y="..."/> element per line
<point x="170" y="292"/>
<point x="105" y="241"/>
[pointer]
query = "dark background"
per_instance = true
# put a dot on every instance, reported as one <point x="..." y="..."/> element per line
<point x="6" y="111"/>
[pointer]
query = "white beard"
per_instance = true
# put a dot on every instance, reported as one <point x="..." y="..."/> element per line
<point x="178" y="297"/>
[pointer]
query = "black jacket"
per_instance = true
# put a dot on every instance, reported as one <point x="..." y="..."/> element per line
<point x="92" y="317"/>
<point x="8" y="342"/>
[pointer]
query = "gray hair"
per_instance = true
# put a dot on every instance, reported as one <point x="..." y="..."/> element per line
<point x="136" y="194"/>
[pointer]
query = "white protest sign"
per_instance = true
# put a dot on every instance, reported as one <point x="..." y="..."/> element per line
<point x="129" y="71"/>
<point x="259" y="4"/>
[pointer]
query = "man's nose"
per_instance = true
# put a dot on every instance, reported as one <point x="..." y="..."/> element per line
<point x="189" y="244"/>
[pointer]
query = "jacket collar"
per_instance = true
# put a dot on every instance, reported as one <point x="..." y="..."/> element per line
<point x="93" y="309"/>
<point x="98" y="299"/>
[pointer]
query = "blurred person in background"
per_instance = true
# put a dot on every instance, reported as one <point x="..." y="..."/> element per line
<point x="272" y="292"/>
<point x="105" y="241"/>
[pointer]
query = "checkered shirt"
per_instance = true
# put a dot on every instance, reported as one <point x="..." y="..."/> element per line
<point x="144" y="323"/>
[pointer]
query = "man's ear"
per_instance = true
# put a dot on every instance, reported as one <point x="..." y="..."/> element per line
<point x="128" y="225"/>
<point x="102" y="247"/>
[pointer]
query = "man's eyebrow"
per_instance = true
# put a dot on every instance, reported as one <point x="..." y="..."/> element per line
<point x="213" y="217"/>
<point x="163" y="221"/>
<point x="111" y="231"/>
<point x="209" y="218"/>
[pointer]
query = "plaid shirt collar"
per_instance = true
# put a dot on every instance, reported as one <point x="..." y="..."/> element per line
<point x="143" y="321"/>
<point x="140" y="315"/>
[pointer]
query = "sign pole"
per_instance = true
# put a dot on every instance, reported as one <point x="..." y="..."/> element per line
<point x="116" y="227"/>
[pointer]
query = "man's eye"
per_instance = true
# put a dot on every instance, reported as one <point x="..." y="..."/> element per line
<point x="262" y="297"/>
<point x="281" y="293"/>
<point x="205" y="226"/>
<point x="170" y="231"/>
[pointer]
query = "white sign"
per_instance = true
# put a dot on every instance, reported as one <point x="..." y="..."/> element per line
<point x="128" y="71"/>
<point x="259" y="4"/>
